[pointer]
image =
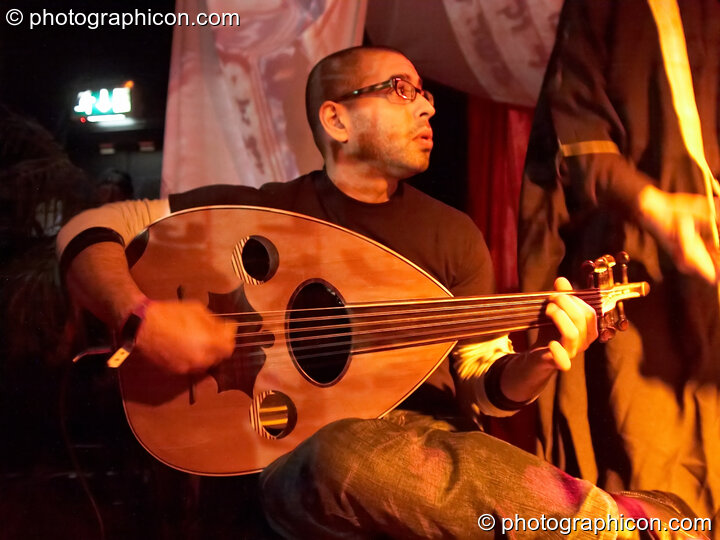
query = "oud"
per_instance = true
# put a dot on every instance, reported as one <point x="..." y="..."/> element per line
<point x="330" y="325"/>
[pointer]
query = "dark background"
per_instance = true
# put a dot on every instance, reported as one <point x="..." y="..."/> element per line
<point x="49" y="410"/>
<point x="41" y="71"/>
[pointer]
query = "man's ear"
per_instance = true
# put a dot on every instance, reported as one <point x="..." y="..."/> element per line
<point x="334" y="120"/>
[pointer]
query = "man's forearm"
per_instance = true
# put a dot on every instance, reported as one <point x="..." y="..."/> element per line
<point x="99" y="280"/>
<point x="521" y="378"/>
<point x="179" y="337"/>
<point x="91" y="251"/>
<point x="524" y="376"/>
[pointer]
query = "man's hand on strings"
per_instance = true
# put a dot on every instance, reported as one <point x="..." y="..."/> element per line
<point x="574" y="328"/>
<point x="576" y="323"/>
<point x="681" y="223"/>
<point x="184" y="337"/>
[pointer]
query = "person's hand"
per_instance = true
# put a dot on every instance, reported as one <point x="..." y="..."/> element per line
<point x="681" y="224"/>
<point x="574" y="329"/>
<point x="184" y="337"/>
<point x="576" y="323"/>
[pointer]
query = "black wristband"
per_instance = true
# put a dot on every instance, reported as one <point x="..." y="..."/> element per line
<point x="493" y="390"/>
<point x="86" y="238"/>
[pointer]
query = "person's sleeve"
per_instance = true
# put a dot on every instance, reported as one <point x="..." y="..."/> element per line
<point x="472" y="361"/>
<point x="576" y="157"/>
<point x="592" y="141"/>
<point x="118" y="222"/>
<point x="478" y="367"/>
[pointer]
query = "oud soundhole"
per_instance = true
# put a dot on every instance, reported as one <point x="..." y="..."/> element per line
<point x="319" y="332"/>
<point x="255" y="259"/>
<point x="273" y="414"/>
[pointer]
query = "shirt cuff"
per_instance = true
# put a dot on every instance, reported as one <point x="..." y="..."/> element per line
<point x="471" y="363"/>
<point x="115" y="222"/>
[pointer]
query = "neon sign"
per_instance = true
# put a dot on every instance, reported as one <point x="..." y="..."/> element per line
<point x="104" y="104"/>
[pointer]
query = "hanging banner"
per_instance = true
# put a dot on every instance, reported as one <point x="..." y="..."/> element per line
<point x="236" y="96"/>
<point x="494" y="49"/>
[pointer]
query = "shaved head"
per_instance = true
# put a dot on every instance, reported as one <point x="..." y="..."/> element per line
<point x="334" y="76"/>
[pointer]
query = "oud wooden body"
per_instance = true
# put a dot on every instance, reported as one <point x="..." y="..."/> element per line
<point x="201" y="426"/>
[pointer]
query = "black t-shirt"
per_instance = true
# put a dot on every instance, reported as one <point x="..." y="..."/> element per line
<point x="441" y="240"/>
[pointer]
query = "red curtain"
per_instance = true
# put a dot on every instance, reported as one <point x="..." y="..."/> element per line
<point x="497" y="138"/>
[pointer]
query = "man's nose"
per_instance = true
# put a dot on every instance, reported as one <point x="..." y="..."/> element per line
<point x="425" y="108"/>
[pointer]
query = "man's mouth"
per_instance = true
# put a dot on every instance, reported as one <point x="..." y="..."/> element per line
<point x="425" y="137"/>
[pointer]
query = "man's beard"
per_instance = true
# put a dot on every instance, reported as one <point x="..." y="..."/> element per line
<point x="377" y="148"/>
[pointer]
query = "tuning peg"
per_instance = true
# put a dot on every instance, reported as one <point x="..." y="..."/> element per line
<point x="606" y="334"/>
<point x="607" y="326"/>
<point x="622" y="322"/>
<point x="600" y="273"/>
<point x="588" y="269"/>
<point x="603" y="270"/>
<point x="623" y="258"/>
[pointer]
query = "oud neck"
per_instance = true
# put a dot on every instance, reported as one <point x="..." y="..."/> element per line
<point x="453" y="319"/>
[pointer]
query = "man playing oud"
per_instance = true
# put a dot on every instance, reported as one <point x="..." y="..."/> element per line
<point x="416" y="473"/>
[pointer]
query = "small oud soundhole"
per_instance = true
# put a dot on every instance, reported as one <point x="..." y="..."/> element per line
<point x="255" y="259"/>
<point x="319" y="332"/>
<point x="273" y="414"/>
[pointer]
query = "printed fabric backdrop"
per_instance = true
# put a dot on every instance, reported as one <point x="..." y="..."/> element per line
<point x="494" y="49"/>
<point x="235" y="111"/>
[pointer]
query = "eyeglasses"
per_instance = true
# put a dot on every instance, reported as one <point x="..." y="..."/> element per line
<point x="405" y="89"/>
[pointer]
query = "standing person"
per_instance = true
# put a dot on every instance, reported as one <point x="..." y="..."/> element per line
<point x="614" y="164"/>
<point x="414" y="473"/>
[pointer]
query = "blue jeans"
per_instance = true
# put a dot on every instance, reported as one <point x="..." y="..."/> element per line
<point x="412" y="476"/>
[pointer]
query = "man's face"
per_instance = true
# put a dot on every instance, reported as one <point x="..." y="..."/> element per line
<point x="387" y="133"/>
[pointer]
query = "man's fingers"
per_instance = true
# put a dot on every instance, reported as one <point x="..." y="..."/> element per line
<point x="680" y="222"/>
<point x="582" y="327"/>
<point x="691" y="253"/>
<point x="582" y="314"/>
<point x="560" y="356"/>
<point x="586" y="318"/>
<point x="229" y="331"/>
<point x="574" y="319"/>
<point x="184" y="337"/>
<point x="220" y="337"/>
<point x="570" y="334"/>
<point x="562" y="284"/>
